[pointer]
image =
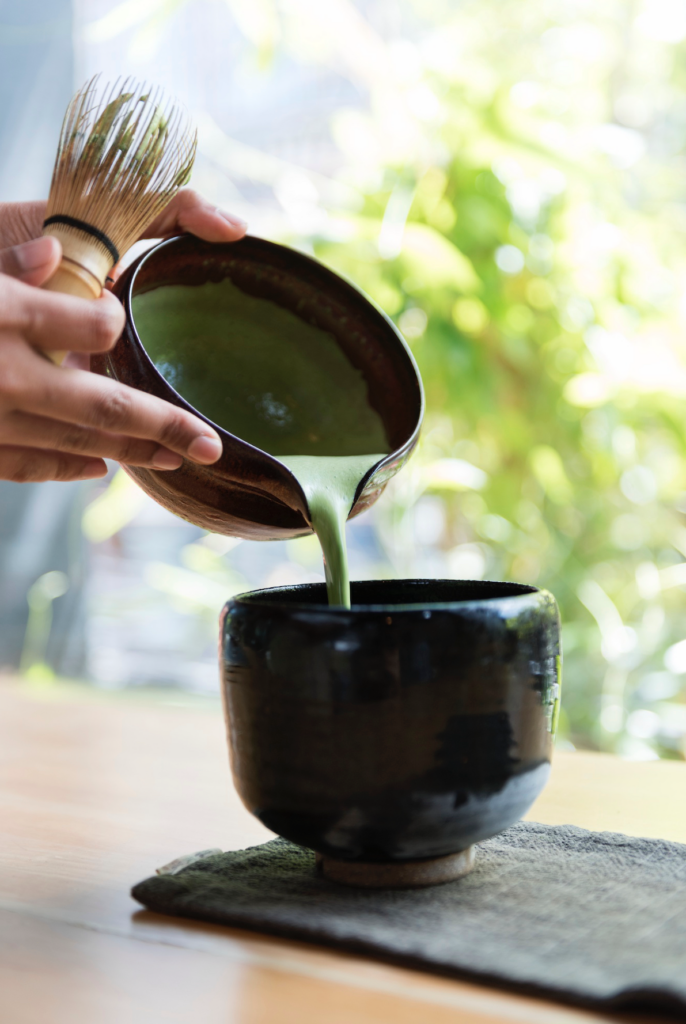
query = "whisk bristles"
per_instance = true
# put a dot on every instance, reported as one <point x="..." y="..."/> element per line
<point x="124" y="152"/>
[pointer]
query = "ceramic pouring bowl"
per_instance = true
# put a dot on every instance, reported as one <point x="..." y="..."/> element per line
<point x="391" y="737"/>
<point x="248" y="493"/>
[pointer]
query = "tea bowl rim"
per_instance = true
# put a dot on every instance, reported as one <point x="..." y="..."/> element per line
<point x="127" y="296"/>
<point x="522" y="594"/>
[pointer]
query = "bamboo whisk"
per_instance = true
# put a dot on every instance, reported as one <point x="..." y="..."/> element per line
<point x="124" y="151"/>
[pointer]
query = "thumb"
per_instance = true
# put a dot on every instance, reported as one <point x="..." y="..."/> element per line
<point x="32" y="262"/>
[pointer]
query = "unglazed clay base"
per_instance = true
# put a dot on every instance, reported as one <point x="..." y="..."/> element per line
<point x="410" y="874"/>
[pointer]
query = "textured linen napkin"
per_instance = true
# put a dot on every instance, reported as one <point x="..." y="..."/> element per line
<point x="594" y="918"/>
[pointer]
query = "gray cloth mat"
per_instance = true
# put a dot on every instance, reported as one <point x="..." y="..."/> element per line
<point x="594" y="918"/>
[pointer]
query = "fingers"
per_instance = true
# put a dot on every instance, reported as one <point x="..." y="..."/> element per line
<point x="88" y="400"/>
<point x="20" y="428"/>
<point x="20" y="221"/>
<point x="188" y="211"/>
<point x="55" y="322"/>
<point x="27" y="465"/>
<point x="31" y="262"/>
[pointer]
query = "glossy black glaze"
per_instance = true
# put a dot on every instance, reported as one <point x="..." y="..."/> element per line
<point x="414" y="724"/>
<point x="249" y="493"/>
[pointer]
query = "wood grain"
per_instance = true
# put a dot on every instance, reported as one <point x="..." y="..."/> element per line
<point x="97" y="791"/>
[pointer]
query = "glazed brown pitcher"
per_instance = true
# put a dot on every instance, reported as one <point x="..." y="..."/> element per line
<point x="249" y="493"/>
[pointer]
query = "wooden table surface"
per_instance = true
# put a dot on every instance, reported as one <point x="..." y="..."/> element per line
<point x="97" y="791"/>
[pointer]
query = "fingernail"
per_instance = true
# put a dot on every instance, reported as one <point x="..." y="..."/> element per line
<point x="164" y="459"/>
<point x="34" y="254"/>
<point x="235" y="222"/>
<point x="94" y="468"/>
<point x="205" y="450"/>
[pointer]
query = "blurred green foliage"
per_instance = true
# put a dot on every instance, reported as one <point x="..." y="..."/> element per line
<point x="528" y="244"/>
<point x="508" y="186"/>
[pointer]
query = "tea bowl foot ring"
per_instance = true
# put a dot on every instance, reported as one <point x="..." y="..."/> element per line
<point x="409" y="874"/>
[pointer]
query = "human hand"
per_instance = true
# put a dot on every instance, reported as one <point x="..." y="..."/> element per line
<point x="59" y="423"/>
<point x="187" y="211"/>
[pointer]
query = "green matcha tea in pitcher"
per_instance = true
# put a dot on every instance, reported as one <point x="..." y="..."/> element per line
<point x="277" y="382"/>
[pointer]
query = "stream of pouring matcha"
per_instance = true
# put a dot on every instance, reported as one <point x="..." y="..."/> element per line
<point x="329" y="483"/>
<point x="279" y="383"/>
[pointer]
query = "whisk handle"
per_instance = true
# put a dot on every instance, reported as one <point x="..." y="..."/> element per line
<point x="66" y="281"/>
<point x="81" y="271"/>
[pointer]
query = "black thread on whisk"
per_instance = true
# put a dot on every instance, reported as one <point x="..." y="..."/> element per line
<point x="74" y="222"/>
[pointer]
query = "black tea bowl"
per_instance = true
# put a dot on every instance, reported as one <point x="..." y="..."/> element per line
<point x="393" y="736"/>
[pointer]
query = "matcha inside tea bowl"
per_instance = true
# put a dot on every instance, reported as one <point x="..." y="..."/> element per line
<point x="292" y="365"/>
